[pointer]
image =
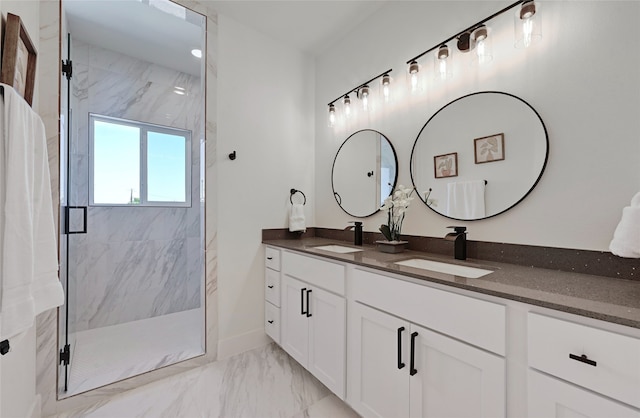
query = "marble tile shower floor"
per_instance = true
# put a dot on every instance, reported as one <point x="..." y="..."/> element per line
<point x="262" y="383"/>
<point x="105" y="355"/>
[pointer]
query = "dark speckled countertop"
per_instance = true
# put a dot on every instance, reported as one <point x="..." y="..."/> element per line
<point x="609" y="299"/>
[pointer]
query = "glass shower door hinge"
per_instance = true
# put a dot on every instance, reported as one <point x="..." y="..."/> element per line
<point x="65" y="355"/>
<point x="67" y="68"/>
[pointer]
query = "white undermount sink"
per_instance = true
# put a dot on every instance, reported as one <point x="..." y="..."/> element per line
<point x="338" y="249"/>
<point x="455" y="269"/>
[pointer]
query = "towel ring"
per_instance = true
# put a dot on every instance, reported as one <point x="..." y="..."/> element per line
<point x="294" y="191"/>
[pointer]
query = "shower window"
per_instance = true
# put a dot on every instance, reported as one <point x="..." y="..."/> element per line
<point x="138" y="164"/>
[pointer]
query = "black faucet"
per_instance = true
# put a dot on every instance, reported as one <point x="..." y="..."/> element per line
<point x="459" y="238"/>
<point x="357" y="232"/>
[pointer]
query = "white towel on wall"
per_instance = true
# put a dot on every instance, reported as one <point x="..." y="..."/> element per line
<point x="297" y="221"/>
<point x="29" y="281"/>
<point x="465" y="199"/>
<point x="626" y="237"/>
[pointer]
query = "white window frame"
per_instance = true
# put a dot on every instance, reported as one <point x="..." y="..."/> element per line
<point x="144" y="129"/>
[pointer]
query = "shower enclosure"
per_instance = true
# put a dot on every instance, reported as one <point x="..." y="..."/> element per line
<point x="132" y="190"/>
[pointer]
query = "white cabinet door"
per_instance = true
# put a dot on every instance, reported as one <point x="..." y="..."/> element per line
<point x="453" y="379"/>
<point x="294" y="324"/>
<point x="327" y="352"/>
<point x="378" y="361"/>
<point x="550" y="397"/>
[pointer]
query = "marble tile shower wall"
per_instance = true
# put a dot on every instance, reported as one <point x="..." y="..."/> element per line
<point x="134" y="262"/>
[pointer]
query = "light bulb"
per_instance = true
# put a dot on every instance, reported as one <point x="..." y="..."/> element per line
<point x="332" y="116"/>
<point x="347" y="106"/>
<point x="414" y="69"/>
<point x="386" y="91"/>
<point x="442" y="63"/>
<point x="364" y="95"/>
<point x="527" y="30"/>
<point x="527" y="24"/>
<point x="483" y="49"/>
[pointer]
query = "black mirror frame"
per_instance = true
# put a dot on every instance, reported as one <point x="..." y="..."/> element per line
<point x="395" y="180"/>
<point x="544" y="164"/>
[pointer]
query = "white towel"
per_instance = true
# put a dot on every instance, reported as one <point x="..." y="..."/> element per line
<point x="296" y="218"/>
<point x="29" y="281"/>
<point x="465" y="199"/>
<point x="626" y="237"/>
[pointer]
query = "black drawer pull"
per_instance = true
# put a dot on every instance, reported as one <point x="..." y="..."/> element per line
<point x="270" y="286"/>
<point x="412" y="366"/>
<point x="308" y="308"/>
<point x="302" y="312"/>
<point x="400" y="363"/>
<point x="271" y="322"/>
<point x="269" y="258"/>
<point x="583" y="359"/>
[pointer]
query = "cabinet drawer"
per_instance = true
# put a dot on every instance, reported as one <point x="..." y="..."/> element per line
<point x="272" y="321"/>
<point x="471" y="320"/>
<point x="324" y="274"/>
<point x="272" y="286"/>
<point x="272" y="258"/>
<point x="550" y="397"/>
<point x="615" y="367"/>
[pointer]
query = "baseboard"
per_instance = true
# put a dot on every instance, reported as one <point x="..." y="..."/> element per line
<point x="241" y="343"/>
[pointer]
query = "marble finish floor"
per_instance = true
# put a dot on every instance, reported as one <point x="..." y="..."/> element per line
<point x="260" y="383"/>
<point x="105" y="355"/>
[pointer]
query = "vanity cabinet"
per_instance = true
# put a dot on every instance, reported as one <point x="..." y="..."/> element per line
<point x="602" y="361"/>
<point x="313" y="317"/>
<point x="399" y="368"/>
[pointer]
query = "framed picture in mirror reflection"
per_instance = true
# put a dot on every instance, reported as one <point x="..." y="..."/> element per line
<point x="489" y="148"/>
<point x="446" y="165"/>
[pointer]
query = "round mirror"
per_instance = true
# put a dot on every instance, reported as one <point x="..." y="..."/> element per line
<point x="479" y="156"/>
<point x="364" y="173"/>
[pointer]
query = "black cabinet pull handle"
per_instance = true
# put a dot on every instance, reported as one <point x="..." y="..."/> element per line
<point x="269" y="258"/>
<point x="583" y="359"/>
<point x="413" y="370"/>
<point x="302" y="312"/>
<point x="400" y="363"/>
<point x="308" y="308"/>
<point x="271" y="322"/>
<point x="270" y="286"/>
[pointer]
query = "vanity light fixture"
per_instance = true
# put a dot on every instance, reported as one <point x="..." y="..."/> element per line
<point x="196" y="53"/>
<point x="477" y="37"/>
<point x="364" y="96"/>
<point x="442" y="62"/>
<point x="347" y="105"/>
<point x="332" y="115"/>
<point x="385" y="83"/>
<point x="414" y="76"/>
<point x="363" y="91"/>
<point x="480" y="38"/>
<point x="527" y="24"/>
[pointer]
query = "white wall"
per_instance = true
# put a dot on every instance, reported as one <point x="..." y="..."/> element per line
<point x="582" y="79"/>
<point x="18" y="367"/>
<point x="265" y="114"/>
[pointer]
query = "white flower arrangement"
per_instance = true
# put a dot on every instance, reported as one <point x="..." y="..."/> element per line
<point x="396" y="206"/>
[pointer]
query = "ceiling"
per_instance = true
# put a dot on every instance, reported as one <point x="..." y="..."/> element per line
<point x="135" y="29"/>
<point x="310" y="26"/>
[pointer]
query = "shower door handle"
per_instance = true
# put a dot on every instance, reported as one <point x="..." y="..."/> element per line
<point x="67" y="219"/>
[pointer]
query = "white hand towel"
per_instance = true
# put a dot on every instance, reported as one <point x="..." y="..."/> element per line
<point x="297" y="222"/>
<point x="465" y="199"/>
<point x="626" y="237"/>
<point x="28" y="246"/>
